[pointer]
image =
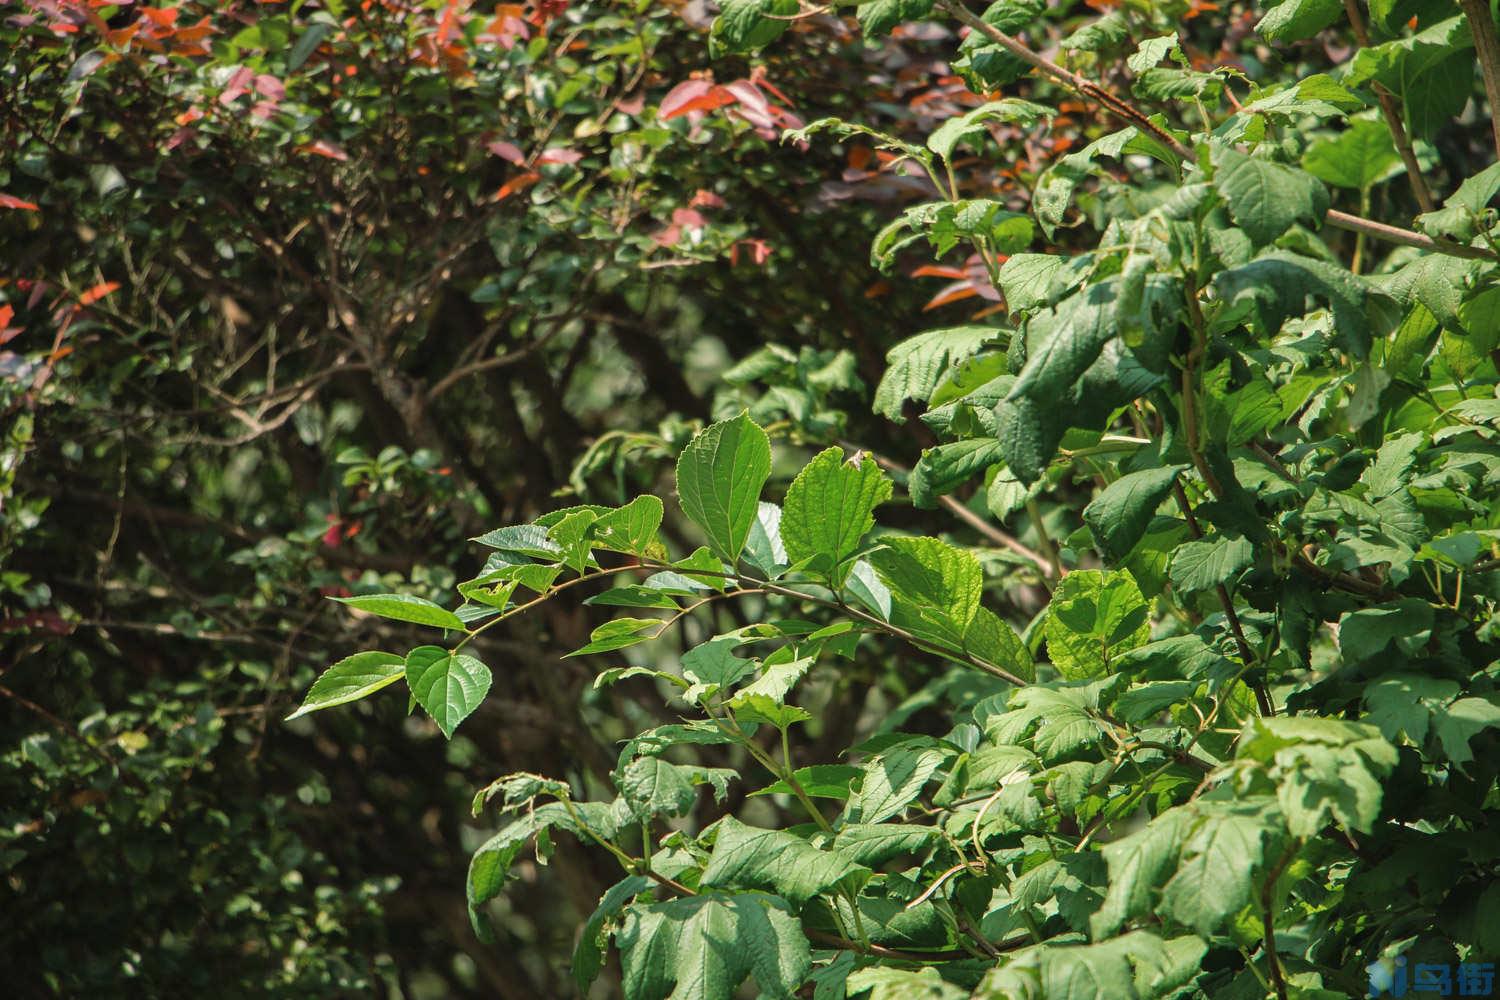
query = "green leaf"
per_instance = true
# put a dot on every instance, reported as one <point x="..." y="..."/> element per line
<point x="935" y="588"/>
<point x="880" y="983"/>
<point x="821" y="781"/>
<point x="748" y="857"/>
<point x="943" y="469"/>
<point x="744" y="25"/>
<point x="1093" y="618"/>
<point x="526" y="540"/>
<point x="491" y="864"/>
<point x="1137" y="965"/>
<point x="588" y="954"/>
<point x="1062" y="344"/>
<point x="948" y="135"/>
<point x="1324" y="769"/>
<point x="405" y="608"/>
<point x="1431" y="71"/>
<point x="1460" y="722"/>
<point x="719" y="479"/>
<point x="713" y="665"/>
<point x="1204" y="565"/>
<point x="915" y="366"/>
<point x="351" y="679"/>
<point x="1216" y="868"/>
<point x="1277" y="285"/>
<point x="1466" y="213"/>
<point x="1360" y="157"/>
<point x="1152" y="51"/>
<point x="994" y="641"/>
<point x="1295" y="20"/>
<point x="632" y="528"/>
<point x="448" y="685"/>
<point x="1266" y="198"/>
<point x="1026" y="280"/>
<point x="891" y="782"/>
<point x="706" y="945"/>
<point x="1119" y="516"/>
<point x="655" y="787"/>
<point x="1366" y="632"/>
<point x="619" y="633"/>
<point x="872" y="844"/>
<point x="878" y="17"/>
<point x="829" y="508"/>
<point x="1139" y="864"/>
<point x="1406" y="703"/>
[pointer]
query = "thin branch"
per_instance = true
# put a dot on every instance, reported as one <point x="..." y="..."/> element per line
<point x="1487" y="50"/>
<point x="1392" y="113"/>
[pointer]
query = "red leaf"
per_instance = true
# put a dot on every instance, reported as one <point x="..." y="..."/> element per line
<point x="321" y="147"/>
<point x="508" y="151"/>
<point x="693" y="95"/>
<point x="269" y="87"/>
<point x="11" y="201"/>
<point x="706" y="199"/>
<point x="689" y="218"/>
<point x="758" y="250"/>
<point x="98" y="292"/>
<point x="559" y="155"/>
<point x="237" y="85"/>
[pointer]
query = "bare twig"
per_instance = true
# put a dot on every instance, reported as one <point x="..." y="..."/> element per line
<point x="1392" y="113"/>
<point x="1487" y="51"/>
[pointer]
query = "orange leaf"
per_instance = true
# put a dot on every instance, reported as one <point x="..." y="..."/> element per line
<point x="955" y="292"/>
<point x="323" y="148"/>
<point x="11" y="201"/>
<point x="939" y="271"/>
<point x="518" y="183"/>
<point x="98" y="292"/>
<point x="162" y="17"/>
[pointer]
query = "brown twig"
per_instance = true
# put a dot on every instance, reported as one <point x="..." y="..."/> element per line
<point x="1487" y="51"/>
<point x="1392" y="113"/>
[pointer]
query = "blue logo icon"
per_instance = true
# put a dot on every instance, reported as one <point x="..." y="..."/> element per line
<point x="1392" y="978"/>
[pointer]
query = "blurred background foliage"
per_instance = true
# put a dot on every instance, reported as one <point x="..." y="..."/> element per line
<point x="295" y="299"/>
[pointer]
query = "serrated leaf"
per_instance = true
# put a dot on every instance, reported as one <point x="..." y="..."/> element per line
<point x="618" y="634"/>
<point x="873" y="844"/>
<point x="448" y="685"/>
<point x="947" y="136"/>
<point x="1216" y="869"/>
<point x="405" y="608"/>
<point x="829" y="508"/>
<point x="1205" y="564"/>
<point x="702" y="947"/>
<point x="719" y="479"/>
<point x="935" y="587"/>
<point x="1266" y="198"/>
<point x="1276" y="287"/>
<point x="1094" y="617"/>
<point x="1360" y="157"/>
<point x="1466" y="213"/>
<point x="748" y="857"/>
<point x="915" y="366"/>
<point x="351" y="679"/>
<point x="1072" y="337"/>
<point x="891" y="782"/>
<point x="821" y="781"/>
<point x="632" y="528"/>
<point x="1460" y="722"/>
<point x="943" y="469"/>
<point x="1119" y="516"/>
